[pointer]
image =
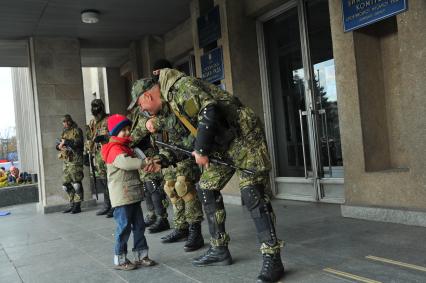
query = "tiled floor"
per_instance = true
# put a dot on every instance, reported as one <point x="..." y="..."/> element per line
<point x="321" y="246"/>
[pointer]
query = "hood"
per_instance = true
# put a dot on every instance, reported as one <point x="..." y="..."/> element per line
<point x="167" y="79"/>
<point x="115" y="147"/>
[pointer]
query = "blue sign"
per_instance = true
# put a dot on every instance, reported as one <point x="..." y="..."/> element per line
<point x="209" y="27"/>
<point x="359" y="13"/>
<point x="212" y="65"/>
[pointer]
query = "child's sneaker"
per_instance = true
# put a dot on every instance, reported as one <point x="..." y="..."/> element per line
<point x="142" y="259"/>
<point x="146" y="261"/>
<point x="122" y="263"/>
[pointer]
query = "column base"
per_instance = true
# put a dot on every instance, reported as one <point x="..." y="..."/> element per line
<point x="62" y="207"/>
<point x="393" y="215"/>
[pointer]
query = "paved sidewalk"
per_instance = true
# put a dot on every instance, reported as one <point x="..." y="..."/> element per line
<point x="321" y="246"/>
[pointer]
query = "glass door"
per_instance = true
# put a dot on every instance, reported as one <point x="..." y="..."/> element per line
<point x="296" y="48"/>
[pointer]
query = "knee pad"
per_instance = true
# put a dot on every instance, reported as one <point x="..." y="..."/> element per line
<point x="182" y="186"/>
<point x="151" y="186"/>
<point x="169" y="188"/>
<point x="77" y="187"/>
<point x="215" y="210"/>
<point x="212" y="200"/>
<point x="261" y="211"/>
<point x="255" y="201"/>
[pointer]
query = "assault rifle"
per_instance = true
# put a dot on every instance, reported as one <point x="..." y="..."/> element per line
<point x="93" y="169"/>
<point x="212" y="160"/>
<point x="67" y="147"/>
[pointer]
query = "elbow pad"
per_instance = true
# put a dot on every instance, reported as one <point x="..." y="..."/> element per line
<point x="207" y="129"/>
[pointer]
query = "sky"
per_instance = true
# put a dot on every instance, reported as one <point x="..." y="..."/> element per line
<point x="7" y="113"/>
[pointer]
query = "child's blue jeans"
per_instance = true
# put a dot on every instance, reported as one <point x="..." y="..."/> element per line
<point x="129" y="218"/>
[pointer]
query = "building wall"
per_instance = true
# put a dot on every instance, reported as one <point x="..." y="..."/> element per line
<point x="380" y="80"/>
<point x="380" y="76"/>
<point x="178" y="41"/>
<point x="256" y="7"/>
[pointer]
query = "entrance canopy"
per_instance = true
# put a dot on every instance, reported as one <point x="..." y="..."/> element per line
<point x="120" y="22"/>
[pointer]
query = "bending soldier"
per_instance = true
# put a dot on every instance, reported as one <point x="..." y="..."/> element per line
<point x="180" y="178"/>
<point x="97" y="135"/>
<point x="156" y="201"/>
<point x="71" y="152"/>
<point x="226" y="129"/>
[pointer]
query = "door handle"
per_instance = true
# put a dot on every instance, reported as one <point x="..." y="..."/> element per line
<point x="302" y="132"/>
<point x="322" y="112"/>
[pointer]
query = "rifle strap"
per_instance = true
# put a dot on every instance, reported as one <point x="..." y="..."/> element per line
<point x="185" y="121"/>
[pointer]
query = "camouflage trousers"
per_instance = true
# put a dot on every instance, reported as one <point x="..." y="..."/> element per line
<point x="186" y="206"/>
<point x="180" y="188"/>
<point x="247" y="151"/>
<point x="101" y="169"/>
<point x="72" y="177"/>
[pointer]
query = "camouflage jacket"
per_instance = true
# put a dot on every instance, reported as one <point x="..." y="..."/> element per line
<point x="176" y="134"/>
<point x="187" y="96"/>
<point x="143" y="139"/>
<point x="95" y="129"/>
<point x="73" y="152"/>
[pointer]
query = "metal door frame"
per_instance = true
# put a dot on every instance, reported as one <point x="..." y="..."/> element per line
<point x="310" y="110"/>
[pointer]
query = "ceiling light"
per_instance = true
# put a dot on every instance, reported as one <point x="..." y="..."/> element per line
<point x="90" y="16"/>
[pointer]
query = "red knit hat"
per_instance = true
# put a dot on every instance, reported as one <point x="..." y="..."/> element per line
<point x="117" y="122"/>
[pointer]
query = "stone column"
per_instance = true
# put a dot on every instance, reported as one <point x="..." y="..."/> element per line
<point x="58" y="90"/>
<point x="116" y="92"/>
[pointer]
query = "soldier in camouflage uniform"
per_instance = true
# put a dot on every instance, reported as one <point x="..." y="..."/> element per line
<point x="228" y="130"/>
<point x="97" y="135"/>
<point x="180" y="177"/>
<point x="71" y="152"/>
<point x="155" y="197"/>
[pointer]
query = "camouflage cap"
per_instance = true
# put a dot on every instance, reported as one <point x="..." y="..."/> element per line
<point x="139" y="87"/>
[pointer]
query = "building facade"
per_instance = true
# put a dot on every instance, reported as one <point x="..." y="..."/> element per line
<point x="343" y="111"/>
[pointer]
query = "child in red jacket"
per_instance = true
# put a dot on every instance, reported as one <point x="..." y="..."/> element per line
<point x="126" y="193"/>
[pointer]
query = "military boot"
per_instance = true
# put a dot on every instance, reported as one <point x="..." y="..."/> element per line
<point x="195" y="238"/>
<point x="149" y="219"/>
<point x="69" y="209"/>
<point x="272" y="268"/>
<point x="110" y="213"/>
<point x="215" y="255"/>
<point x="107" y="204"/>
<point x="104" y="210"/>
<point x="76" y="209"/>
<point x="175" y="235"/>
<point x="161" y="224"/>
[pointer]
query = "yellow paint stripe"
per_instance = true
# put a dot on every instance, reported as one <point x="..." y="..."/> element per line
<point x="349" y="275"/>
<point x="399" y="263"/>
